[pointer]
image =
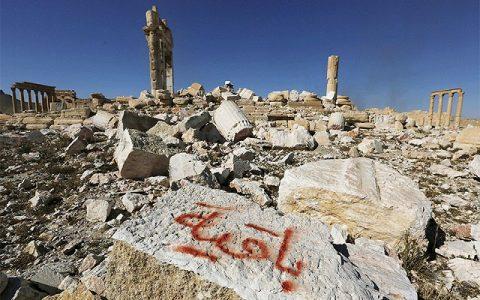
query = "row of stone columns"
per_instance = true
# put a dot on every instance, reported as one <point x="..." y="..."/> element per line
<point x="458" y="110"/>
<point x="42" y="106"/>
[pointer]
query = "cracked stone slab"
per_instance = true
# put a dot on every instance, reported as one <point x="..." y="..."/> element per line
<point x="230" y="241"/>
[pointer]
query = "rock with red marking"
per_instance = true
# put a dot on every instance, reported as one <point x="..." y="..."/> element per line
<point x="220" y="240"/>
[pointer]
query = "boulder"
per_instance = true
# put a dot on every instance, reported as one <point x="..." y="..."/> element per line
<point x="336" y="121"/>
<point x="163" y="130"/>
<point x="469" y="136"/>
<point x="474" y="166"/>
<point x="195" y="121"/>
<point x="131" y="120"/>
<point x="296" y="138"/>
<point x="231" y="122"/>
<point x="372" y="199"/>
<point x="246" y="253"/>
<point x="188" y="166"/>
<point x="196" y="89"/>
<point x="139" y="155"/>
<point x="368" y="146"/>
<point x="98" y="210"/>
<point x="104" y="120"/>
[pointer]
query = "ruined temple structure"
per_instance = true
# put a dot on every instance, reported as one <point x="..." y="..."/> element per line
<point x="439" y="96"/>
<point x="160" y="44"/>
<point x="67" y="98"/>
<point x="44" y="95"/>
<point x="332" y="77"/>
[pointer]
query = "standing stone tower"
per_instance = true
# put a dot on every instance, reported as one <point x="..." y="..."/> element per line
<point x="160" y="45"/>
<point x="332" y="77"/>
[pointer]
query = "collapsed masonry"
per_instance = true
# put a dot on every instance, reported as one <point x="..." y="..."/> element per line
<point x="160" y="44"/>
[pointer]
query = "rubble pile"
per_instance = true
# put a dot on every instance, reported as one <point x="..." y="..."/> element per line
<point x="236" y="197"/>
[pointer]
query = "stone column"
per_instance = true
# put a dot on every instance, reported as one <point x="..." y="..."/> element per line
<point x="14" y="101"/>
<point x="232" y="122"/>
<point x="430" y="109"/>
<point x="29" y="92"/>
<point x="37" y="101"/>
<point x="22" y="100"/>
<point x="170" y="77"/>
<point x="43" y="101"/>
<point x="458" y="111"/>
<point x="48" y="101"/>
<point x="332" y="74"/>
<point x="449" y="109"/>
<point x="152" y="33"/>
<point x="440" y="109"/>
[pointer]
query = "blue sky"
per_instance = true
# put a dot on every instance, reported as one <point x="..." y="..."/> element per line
<point x="392" y="52"/>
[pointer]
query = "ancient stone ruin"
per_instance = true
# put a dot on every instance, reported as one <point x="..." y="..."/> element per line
<point x="222" y="193"/>
<point x="160" y="45"/>
<point x="438" y="95"/>
<point x="44" y="95"/>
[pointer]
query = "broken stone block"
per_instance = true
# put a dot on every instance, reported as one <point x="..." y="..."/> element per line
<point x="296" y="138"/>
<point x="246" y="94"/>
<point x="104" y="120"/>
<point x="131" y="120"/>
<point x="322" y="138"/>
<point x="336" y="121"/>
<point x="352" y="191"/>
<point x="195" y="121"/>
<point x="229" y="96"/>
<point x="89" y="262"/>
<point x="41" y="198"/>
<point x="438" y="169"/>
<point x="79" y="131"/>
<point x="34" y="249"/>
<point x="163" y="129"/>
<point x="139" y="155"/>
<point x="158" y="180"/>
<point x="368" y="146"/>
<point x="474" y="166"/>
<point x="465" y="270"/>
<point x="458" y="248"/>
<point x="98" y="210"/>
<point x="76" y="146"/>
<point x="254" y="253"/>
<point x="196" y="89"/>
<point x="231" y="122"/>
<point x="188" y="166"/>
<point x="134" y="201"/>
<point x="252" y="188"/>
<point x="385" y="271"/>
<point x="469" y="136"/>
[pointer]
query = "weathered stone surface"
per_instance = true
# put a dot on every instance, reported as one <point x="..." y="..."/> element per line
<point x="76" y="146"/>
<point x="385" y="271"/>
<point x="196" y="89"/>
<point x="474" y="165"/>
<point x="231" y="122"/>
<point x="162" y="129"/>
<point x="283" y="257"/>
<point x="368" y="146"/>
<point x="459" y="248"/>
<point x="322" y="138"/>
<point x="133" y="274"/>
<point x="465" y="270"/>
<point x="372" y="199"/>
<point x="438" y="169"/>
<point x="195" y="121"/>
<point x="131" y="120"/>
<point x="469" y="136"/>
<point x="134" y="201"/>
<point x="296" y="138"/>
<point x="98" y="210"/>
<point x="139" y="155"/>
<point x="336" y="121"/>
<point x="252" y="188"/>
<point x="79" y="293"/>
<point x="3" y="282"/>
<point x="188" y="166"/>
<point x="104" y="120"/>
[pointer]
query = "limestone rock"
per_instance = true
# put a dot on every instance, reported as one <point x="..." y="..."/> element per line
<point x="322" y="138"/>
<point x="98" y="210"/>
<point x="368" y="146"/>
<point x="336" y="121"/>
<point x="372" y="199"/>
<point x="465" y="270"/>
<point x="188" y="166"/>
<point x="469" y="136"/>
<point x="163" y="130"/>
<point x="195" y="121"/>
<point x="76" y="146"/>
<point x="134" y="201"/>
<point x="104" y="120"/>
<point x="132" y="120"/>
<point x="459" y="248"/>
<point x="252" y="188"/>
<point x="296" y="138"/>
<point x="474" y="165"/>
<point x="385" y="271"/>
<point x="3" y="282"/>
<point x="438" y="169"/>
<point x="307" y="266"/>
<point x="139" y="155"/>
<point x="196" y="89"/>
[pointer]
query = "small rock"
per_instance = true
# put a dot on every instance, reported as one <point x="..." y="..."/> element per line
<point x="368" y="146"/>
<point x="98" y="210"/>
<point x="134" y="201"/>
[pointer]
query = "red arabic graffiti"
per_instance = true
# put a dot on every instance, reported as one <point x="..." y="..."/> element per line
<point x="252" y="248"/>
